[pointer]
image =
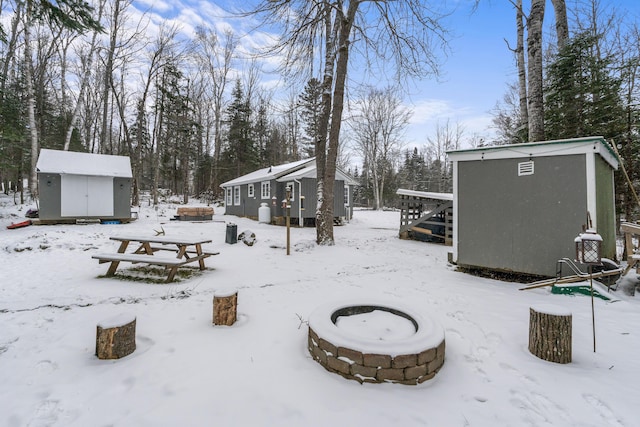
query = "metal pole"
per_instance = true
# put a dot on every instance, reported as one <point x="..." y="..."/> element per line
<point x="288" y="204"/>
<point x="593" y="316"/>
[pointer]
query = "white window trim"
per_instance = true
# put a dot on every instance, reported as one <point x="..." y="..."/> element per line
<point x="236" y="195"/>
<point x="251" y="192"/>
<point x="265" y="185"/>
<point x="346" y="195"/>
<point x="229" y="198"/>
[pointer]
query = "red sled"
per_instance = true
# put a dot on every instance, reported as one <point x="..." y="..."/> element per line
<point x="19" y="224"/>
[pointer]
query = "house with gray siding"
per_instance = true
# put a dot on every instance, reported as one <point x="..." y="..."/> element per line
<point x="518" y="208"/>
<point x="73" y="185"/>
<point x="246" y="194"/>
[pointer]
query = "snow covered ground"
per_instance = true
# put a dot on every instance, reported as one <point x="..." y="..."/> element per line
<point x="258" y="372"/>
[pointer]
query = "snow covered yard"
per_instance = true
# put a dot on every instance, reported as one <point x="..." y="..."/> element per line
<point x="185" y="371"/>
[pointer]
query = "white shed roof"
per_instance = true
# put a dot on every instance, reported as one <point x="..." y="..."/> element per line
<point x="74" y="163"/>
<point x="592" y="144"/>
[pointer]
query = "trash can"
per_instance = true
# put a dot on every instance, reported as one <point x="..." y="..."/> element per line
<point x="232" y="234"/>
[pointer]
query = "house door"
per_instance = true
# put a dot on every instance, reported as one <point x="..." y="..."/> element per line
<point x="86" y="196"/>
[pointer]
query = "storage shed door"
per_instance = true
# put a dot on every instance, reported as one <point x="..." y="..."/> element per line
<point x="86" y="196"/>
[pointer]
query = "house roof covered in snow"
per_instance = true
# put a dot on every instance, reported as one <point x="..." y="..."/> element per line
<point x="287" y="172"/>
<point x="560" y="147"/>
<point x="75" y="163"/>
<point x="310" y="171"/>
<point x="266" y="174"/>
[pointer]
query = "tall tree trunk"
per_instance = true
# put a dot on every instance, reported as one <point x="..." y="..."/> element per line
<point x="325" y="231"/>
<point x="108" y="76"/>
<point x="562" y="24"/>
<point x="331" y="29"/>
<point x="31" y="101"/>
<point x="522" y="71"/>
<point x="534" y="53"/>
<point x="157" y="132"/>
<point x="11" y="49"/>
<point x="86" y="72"/>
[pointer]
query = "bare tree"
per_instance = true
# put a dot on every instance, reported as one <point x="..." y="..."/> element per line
<point x="86" y="60"/>
<point x="535" y="100"/>
<point x="448" y="137"/>
<point x="522" y="66"/>
<point x="562" y="24"/>
<point x="403" y="33"/>
<point x="156" y="57"/>
<point x="31" y="101"/>
<point x="378" y="125"/>
<point x="215" y="57"/>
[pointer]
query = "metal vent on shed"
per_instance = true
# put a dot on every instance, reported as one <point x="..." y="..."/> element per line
<point x="525" y="168"/>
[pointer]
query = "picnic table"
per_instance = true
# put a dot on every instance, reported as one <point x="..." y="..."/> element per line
<point x="187" y="250"/>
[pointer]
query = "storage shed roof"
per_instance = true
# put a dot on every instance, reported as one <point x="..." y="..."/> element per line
<point x="424" y="194"/>
<point x="558" y="147"/>
<point x="75" y="163"/>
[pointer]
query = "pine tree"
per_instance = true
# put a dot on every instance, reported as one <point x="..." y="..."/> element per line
<point x="310" y="105"/>
<point x="240" y="155"/>
<point x="582" y="93"/>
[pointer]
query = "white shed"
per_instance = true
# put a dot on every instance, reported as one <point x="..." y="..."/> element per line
<point x="74" y="185"/>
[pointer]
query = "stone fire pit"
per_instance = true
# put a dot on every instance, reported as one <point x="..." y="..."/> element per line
<point x="376" y="342"/>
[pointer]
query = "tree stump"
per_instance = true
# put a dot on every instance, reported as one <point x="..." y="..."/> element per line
<point x="225" y="307"/>
<point x="116" y="337"/>
<point x="550" y="333"/>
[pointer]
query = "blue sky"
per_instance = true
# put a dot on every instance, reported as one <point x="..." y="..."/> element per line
<point x="475" y="73"/>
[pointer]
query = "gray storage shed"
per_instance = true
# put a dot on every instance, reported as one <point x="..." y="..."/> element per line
<point x="518" y="208"/>
<point x="74" y="186"/>
<point x="244" y="195"/>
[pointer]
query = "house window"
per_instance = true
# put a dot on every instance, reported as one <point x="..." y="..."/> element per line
<point x="265" y="190"/>
<point x="346" y="195"/>
<point x="292" y="187"/>
<point x="229" y="197"/>
<point x="250" y="191"/>
<point x="236" y="196"/>
<point x="525" y="168"/>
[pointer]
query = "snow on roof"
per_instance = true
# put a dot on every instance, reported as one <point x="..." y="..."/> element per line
<point x="310" y="171"/>
<point x="266" y="174"/>
<point x="558" y="147"/>
<point x="425" y="194"/>
<point x="74" y="163"/>
<point x="282" y="173"/>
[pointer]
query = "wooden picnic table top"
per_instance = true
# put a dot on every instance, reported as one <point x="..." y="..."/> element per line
<point x="166" y="240"/>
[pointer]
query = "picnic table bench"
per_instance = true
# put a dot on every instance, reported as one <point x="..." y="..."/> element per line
<point x="187" y="251"/>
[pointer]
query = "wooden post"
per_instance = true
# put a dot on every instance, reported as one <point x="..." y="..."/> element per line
<point x="550" y="333"/>
<point x="116" y="337"/>
<point x="225" y="307"/>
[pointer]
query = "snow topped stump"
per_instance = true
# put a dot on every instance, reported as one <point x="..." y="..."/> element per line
<point x="225" y="308"/>
<point x="116" y="337"/>
<point x="550" y="333"/>
<point x="374" y="342"/>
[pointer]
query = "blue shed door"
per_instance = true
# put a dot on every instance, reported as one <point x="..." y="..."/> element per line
<point x="86" y="196"/>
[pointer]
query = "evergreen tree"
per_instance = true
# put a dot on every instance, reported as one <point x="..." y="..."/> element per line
<point x="583" y="94"/>
<point x="310" y="106"/>
<point x="240" y="155"/>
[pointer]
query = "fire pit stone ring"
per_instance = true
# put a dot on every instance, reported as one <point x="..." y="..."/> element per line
<point x="412" y="355"/>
